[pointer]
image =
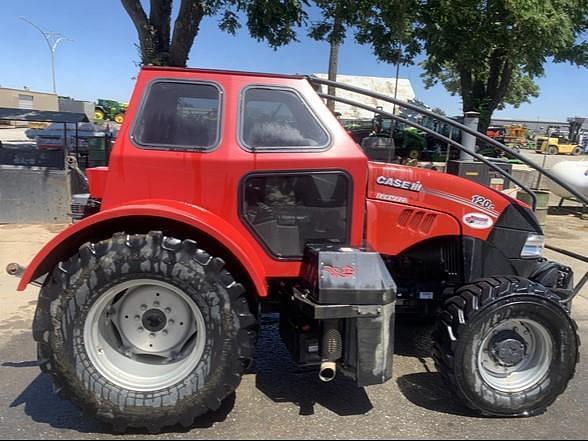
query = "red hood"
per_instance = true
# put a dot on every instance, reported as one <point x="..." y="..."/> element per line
<point x="475" y="206"/>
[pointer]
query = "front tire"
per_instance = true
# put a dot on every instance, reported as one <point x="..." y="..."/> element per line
<point x="99" y="115"/>
<point x="506" y="347"/>
<point x="552" y="150"/>
<point x="144" y="331"/>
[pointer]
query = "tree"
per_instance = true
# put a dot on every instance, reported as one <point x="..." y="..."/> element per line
<point x="337" y="17"/>
<point x="274" y="21"/>
<point x="489" y="52"/>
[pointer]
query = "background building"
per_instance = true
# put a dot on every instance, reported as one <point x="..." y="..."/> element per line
<point x="28" y="99"/>
<point x="386" y="86"/>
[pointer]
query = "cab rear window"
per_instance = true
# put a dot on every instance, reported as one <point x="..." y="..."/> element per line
<point x="179" y="115"/>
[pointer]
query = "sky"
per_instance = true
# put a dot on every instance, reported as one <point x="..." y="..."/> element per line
<point x="102" y="60"/>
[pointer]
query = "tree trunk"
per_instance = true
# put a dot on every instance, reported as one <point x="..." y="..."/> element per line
<point x="144" y="28"/>
<point x="485" y="119"/>
<point x="185" y="30"/>
<point x="160" y="19"/>
<point x="155" y="32"/>
<point x="484" y="95"/>
<point x="333" y="69"/>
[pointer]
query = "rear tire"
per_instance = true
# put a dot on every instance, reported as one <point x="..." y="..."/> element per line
<point x="102" y="375"/>
<point x="506" y="347"/>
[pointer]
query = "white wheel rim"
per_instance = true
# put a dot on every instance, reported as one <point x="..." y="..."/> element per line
<point x="145" y="335"/>
<point x="535" y="353"/>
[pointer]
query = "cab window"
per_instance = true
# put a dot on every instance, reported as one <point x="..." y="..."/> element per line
<point x="287" y="211"/>
<point x="179" y="115"/>
<point x="279" y="119"/>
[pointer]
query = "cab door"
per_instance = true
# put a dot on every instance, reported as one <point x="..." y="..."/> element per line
<point x="310" y="176"/>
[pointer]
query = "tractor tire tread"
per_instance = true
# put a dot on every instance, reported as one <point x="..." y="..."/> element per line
<point x="463" y="308"/>
<point x="60" y="288"/>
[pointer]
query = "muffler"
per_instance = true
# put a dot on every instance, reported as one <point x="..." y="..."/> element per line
<point x="331" y="350"/>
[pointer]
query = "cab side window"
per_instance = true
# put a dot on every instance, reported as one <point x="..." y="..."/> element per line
<point x="278" y="119"/>
<point x="288" y="211"/>
<point x="179" y="115"/>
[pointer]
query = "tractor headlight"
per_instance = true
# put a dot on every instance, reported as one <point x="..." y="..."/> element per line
<point x="534" y="246"/>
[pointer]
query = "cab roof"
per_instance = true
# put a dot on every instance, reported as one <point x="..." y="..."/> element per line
<point x="223" y="72"/>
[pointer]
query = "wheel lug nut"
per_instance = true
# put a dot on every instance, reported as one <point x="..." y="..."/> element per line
<point x="156" y="303"/>
<point x="137" y="318"/>
<point x="171" y="323"/>
<point x="152" y="335"/>
<point x="143" y="307"/>
<point x="164" y="332"/>
<point x="168" y="310"/>
<point x="140" y="330"/>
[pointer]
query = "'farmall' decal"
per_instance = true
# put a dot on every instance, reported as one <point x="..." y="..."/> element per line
<point x="345" y="272"/>
<point x="400" y="184"/>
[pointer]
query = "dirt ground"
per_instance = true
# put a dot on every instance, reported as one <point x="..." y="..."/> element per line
<point x="277" y="400"/>
<point x="19" y="243"/>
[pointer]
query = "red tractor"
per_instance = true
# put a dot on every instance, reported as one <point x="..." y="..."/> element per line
<point x="230" y="191"/>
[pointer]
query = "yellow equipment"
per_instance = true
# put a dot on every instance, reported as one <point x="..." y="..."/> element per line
<point x="558" y="145"/>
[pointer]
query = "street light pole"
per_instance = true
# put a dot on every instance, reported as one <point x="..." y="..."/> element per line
<point x="53" y="40"/>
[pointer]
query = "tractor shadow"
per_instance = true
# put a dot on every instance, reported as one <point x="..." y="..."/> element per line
<point x="282" y="381"/>
<point x="424" y="389"/>
<point x="277" y="377"/>
<point x="40" y="403"/>
<point x="43" y="406"/>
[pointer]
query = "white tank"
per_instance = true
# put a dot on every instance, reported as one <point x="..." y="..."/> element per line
<point x="575" y="173"/>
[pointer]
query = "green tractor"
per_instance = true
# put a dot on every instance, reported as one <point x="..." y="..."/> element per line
<point x="110" y="110"/>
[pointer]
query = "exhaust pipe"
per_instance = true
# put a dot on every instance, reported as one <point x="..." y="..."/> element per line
<point x="15" y="270"/>
<point x="328" y="371"/>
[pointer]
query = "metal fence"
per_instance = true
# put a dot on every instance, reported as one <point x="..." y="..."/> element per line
<point x="35" y="183"/>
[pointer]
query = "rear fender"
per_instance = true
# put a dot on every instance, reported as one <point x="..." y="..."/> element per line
<point x="163" y="212"/>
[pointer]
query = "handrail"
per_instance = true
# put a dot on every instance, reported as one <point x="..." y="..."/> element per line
<point x="451" y="122"/>
<point x="450" y="141"/>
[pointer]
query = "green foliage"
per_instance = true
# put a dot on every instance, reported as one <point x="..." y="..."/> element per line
<point x="488" y="51"/>
<point x="337" y="18"/>
<point x="274" y="21"/>
<point x="390" y="26"/>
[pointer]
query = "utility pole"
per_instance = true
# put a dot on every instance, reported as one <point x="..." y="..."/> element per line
<point x="53" y="40"/>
